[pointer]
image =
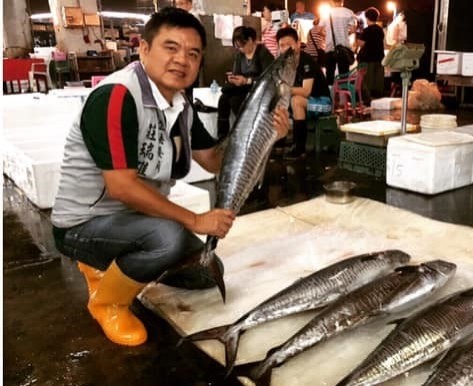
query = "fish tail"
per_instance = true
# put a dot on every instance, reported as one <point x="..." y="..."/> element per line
<point x="231" y="348"/>
<point x="252" y="371"/>
<point x="209" y="260"/>
<point x="211" y="333"/>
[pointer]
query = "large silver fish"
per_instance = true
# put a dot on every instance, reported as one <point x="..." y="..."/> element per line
<point x="249" y="145"/>
<point x="313" y="291"/>
<point x="398" y="291"/>
<point x="416" y="340"/>
<point x="456" y="369"/>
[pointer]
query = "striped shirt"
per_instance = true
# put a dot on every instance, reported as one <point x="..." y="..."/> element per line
<point x="343" y="19"/>
<point x="315" y="35"/>
<point x="268" y="37"/>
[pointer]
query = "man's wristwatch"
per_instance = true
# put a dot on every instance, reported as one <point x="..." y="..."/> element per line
<point x="249" y="80"/>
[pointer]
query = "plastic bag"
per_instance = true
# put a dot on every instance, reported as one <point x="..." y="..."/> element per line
<point x="424" y="95"/>
<point x="344" y="54"/>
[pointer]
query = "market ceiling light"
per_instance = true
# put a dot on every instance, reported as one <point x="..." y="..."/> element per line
<point x="39" y="16"/>
<point x="125" y="15"/>
<point x="392" y="7"/>
<point x="324" y="10"/>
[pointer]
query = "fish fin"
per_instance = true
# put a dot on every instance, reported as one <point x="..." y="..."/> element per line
<point x="439" y="358"/>
<point x="248" y="370"/>
<point x="209" y="260"/>
<point x="396" y="321"/>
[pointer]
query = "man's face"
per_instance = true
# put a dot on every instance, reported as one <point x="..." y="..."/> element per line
<point x="300" y="7"/>
<point x="184" y="4"/>
<point x="287" y="42"/>
<point x="173" y="59"/>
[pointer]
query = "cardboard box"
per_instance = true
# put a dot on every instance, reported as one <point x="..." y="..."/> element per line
<point x="430" y="163"/>
<point x="449" y="62"/>
<point x="467" y="64"/>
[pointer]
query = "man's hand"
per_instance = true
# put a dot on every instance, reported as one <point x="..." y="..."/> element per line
<point x="237" y="80"/>
<point x="216" y="222"/>
<point x="281" y="122"/>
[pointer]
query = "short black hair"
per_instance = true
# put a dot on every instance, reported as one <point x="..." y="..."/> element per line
<point x="172" y="17"/>
<point x="372" y="14"/>
<point x="271" y="6"/>
<point x="242" y="34"/>
<point x="287" y="31"/>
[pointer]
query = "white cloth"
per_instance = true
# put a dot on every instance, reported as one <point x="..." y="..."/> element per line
<point x="225" y="24"/>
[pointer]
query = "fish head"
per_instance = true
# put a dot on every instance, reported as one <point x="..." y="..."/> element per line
<point x="439" y="270"/>
<point x="284" y="73"/>
<point x="394" y="257"/>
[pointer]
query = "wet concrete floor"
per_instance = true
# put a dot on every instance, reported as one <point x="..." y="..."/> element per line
<point x="49" y="337"/>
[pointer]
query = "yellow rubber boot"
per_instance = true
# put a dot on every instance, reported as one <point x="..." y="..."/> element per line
<point x="109" y="305"/>
<point x="92" y="276"/>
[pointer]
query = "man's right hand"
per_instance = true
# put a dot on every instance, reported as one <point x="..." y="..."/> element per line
<point x="216" y="222"/>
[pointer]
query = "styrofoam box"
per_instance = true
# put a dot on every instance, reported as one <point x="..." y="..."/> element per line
<point x="190" y="197"/>
<point x="449" y="62"/>
<point x="35" y="172"/>
<point x="430" y="163"/>
<point x="386" y="104"/>
<point x="467" y="64"/>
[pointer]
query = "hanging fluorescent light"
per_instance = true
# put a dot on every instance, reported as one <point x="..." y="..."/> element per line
<point x="39" y="16"/>
<point x="125" y="15"/>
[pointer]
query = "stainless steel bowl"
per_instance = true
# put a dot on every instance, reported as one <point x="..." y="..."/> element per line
<point x="339" y="192"/>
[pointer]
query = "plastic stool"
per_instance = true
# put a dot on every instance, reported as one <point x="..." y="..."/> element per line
<point x="327" y="134"/>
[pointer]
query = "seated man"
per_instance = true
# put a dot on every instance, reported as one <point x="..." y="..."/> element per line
<point x="310" y="85"/>
<point x="249" y="63"/>
<point x="135" y="135"/>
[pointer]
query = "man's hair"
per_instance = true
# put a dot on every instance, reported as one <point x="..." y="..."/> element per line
<point x="172" y="17"/>
<point x="271" y="6"/>
<point x="242" y="34"/>
<point x="287" y="31"/>
<point x="372" y="14"/>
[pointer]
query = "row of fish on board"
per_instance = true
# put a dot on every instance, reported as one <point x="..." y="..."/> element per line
<point x="353" y="292"/>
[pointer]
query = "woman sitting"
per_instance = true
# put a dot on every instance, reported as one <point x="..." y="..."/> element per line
<point x="249" y="63"/>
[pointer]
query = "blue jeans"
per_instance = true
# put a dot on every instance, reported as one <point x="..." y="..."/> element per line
<point x="143" y="247"/>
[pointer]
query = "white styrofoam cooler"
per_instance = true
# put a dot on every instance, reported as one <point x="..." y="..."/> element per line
<point x="449" y="62"/>
<point x="467" y="64"/>
<point x="190" y="197"/>
<point x="430" y="163"/>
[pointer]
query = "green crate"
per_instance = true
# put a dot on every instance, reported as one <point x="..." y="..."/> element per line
<point x="361" y="158"/>
<point x="326" y="134"/>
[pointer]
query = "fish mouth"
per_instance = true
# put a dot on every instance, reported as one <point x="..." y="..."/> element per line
<point x="441" y="266"/>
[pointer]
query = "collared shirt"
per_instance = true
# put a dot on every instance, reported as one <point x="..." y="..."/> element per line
<point x="170" y="111"/>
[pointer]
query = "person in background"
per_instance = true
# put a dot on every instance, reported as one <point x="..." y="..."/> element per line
<point x="344" y="24"/>
<point x="249" y="63"/>
<point x="309" y="85"/>
<point x="268" y="33"/>
<point x="301" y="13"/>
<point x="315" y="46"/>
<point x="135" y="136"/>
<point x="371" y="43"/>
<point x="187" y="5"/>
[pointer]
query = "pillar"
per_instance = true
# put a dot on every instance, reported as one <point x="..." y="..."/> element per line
<point x="17" y="38"/>
<point x="75" y="39"/>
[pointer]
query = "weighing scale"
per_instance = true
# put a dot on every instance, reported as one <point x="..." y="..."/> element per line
<point x="404" y="58"/>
